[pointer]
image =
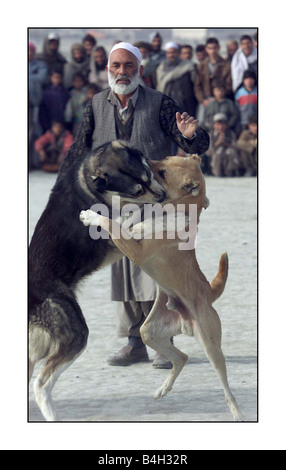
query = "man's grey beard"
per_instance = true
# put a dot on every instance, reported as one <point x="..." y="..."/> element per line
<point x="121" y="88"/>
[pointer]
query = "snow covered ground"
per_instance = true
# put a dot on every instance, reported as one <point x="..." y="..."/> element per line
<point x="91" y="390"/>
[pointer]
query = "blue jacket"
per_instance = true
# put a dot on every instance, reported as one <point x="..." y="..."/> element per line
<point x="247" y="103"/>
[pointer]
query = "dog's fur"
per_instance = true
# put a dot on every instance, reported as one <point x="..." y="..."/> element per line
<point x="62" y="253"/>
<point x="185" y="297"/>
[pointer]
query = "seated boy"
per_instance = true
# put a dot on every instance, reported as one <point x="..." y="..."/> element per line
<point x="53" y="146"/>
<point x="247" y="144"/>
<point x="222" y="150"/>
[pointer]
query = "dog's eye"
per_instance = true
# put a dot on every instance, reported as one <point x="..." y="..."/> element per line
<point x="161" y="173"/>
<point x="138" y="190"/>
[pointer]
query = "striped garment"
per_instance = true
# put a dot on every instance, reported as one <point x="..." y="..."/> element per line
<point x="247" y="103"/>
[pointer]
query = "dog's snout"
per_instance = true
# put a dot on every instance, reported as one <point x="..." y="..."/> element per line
<point x="161" y="196"/>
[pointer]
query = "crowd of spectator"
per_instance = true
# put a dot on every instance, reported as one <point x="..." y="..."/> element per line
<point x="220" y="92"/>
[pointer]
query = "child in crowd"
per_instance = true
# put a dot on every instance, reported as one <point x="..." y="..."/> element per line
<point x="91" y="90"/>
<point x="224" y="105"/>
<point x="246" y="98"/>
<point x="247" y="144"/>
<point x="53" y="146"/>
<point x="54" y="101"/>
<point x="76" y="104"/>
<point x="222" y="151"/>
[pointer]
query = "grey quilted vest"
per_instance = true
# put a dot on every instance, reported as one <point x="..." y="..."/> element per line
<point x="147" y="135"/>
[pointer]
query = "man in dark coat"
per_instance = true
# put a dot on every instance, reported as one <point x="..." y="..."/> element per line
<point x="176" y="77"/>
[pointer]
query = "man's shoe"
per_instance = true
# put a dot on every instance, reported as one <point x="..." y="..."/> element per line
<point x="161" y="362"/>
<point x="128" y="355"/>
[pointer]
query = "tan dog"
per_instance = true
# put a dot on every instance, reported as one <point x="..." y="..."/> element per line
<point x="185" y="297"/>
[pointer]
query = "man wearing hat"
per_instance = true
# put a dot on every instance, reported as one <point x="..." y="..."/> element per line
<point x="223" y="151"/>
<point x="54" y="60"/>
<point x="150" y="121"/>
<point x="158" y="54"/>
<point x="176" y="78"/>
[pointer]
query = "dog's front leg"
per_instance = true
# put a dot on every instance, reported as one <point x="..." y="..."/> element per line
<point x="129" y="247"/>
<point x="90" y="217"/>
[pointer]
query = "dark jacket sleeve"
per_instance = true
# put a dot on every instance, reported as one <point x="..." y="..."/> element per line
<point x="83" y="140"/>
<point x="199" y="144"/>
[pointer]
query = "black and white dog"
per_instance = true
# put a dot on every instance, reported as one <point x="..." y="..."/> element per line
<point x="62" y="253"/>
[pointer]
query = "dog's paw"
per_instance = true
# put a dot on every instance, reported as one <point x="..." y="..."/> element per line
<point x="88" y="217"/>
<point x="162" y="391"/>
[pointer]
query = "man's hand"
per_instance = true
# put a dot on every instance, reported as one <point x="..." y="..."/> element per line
<point x="221" y="140"/>
<point x="187" y="125"/>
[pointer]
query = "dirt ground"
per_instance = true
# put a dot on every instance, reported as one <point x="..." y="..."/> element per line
<point x="91" y="390"/>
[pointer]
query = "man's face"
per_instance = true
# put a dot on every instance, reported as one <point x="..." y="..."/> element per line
<point x="172" y="54"/>
<point x="88" y="46"/>
<point x="220" y="126"/>
<point x="57" y="128"/>
<point x="78" y="83"/>
<point x="78" y="55"/>
<point x="212" y="50"/>
<point x="156" y="43"/>
<point x="253" y="128"/>
<point x="246" y="46"/>
<point x="99" y="58"/>
<point x="90" y="93"/>
<point x="186" y="53"/>
<point x="218" y="93"/>
<point x="123" y="72"/>
<point x="56" y="79"/>
<point x="201" y="55"/>
<point x="144" y="52"/>
<point x="53" y="45"/>
<point x="231" y="49"/>
<point x="249" y="83"/>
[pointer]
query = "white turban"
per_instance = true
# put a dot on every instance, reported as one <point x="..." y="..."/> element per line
<point x="171" y="45"/>
<point x="128" y="47"/>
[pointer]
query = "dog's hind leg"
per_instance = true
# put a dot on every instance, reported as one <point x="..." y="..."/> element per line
<point x="43" y="390"/>
<point x="160" y="325"/>
<point x="208" y="332"/>
<point x="58" y="335"/>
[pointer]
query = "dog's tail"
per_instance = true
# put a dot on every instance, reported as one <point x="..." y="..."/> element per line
<point x="218" y="283"/>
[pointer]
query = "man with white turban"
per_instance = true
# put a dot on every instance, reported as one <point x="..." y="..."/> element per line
<point x="150" y="121"/>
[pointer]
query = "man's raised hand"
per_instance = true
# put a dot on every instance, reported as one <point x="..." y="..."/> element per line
<point x="187" y="125"/>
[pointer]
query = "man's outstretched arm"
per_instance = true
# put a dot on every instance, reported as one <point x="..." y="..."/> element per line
<point x="183" y="129"/>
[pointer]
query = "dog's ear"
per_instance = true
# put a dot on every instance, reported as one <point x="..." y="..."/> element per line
<point x="192" y="187"/>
